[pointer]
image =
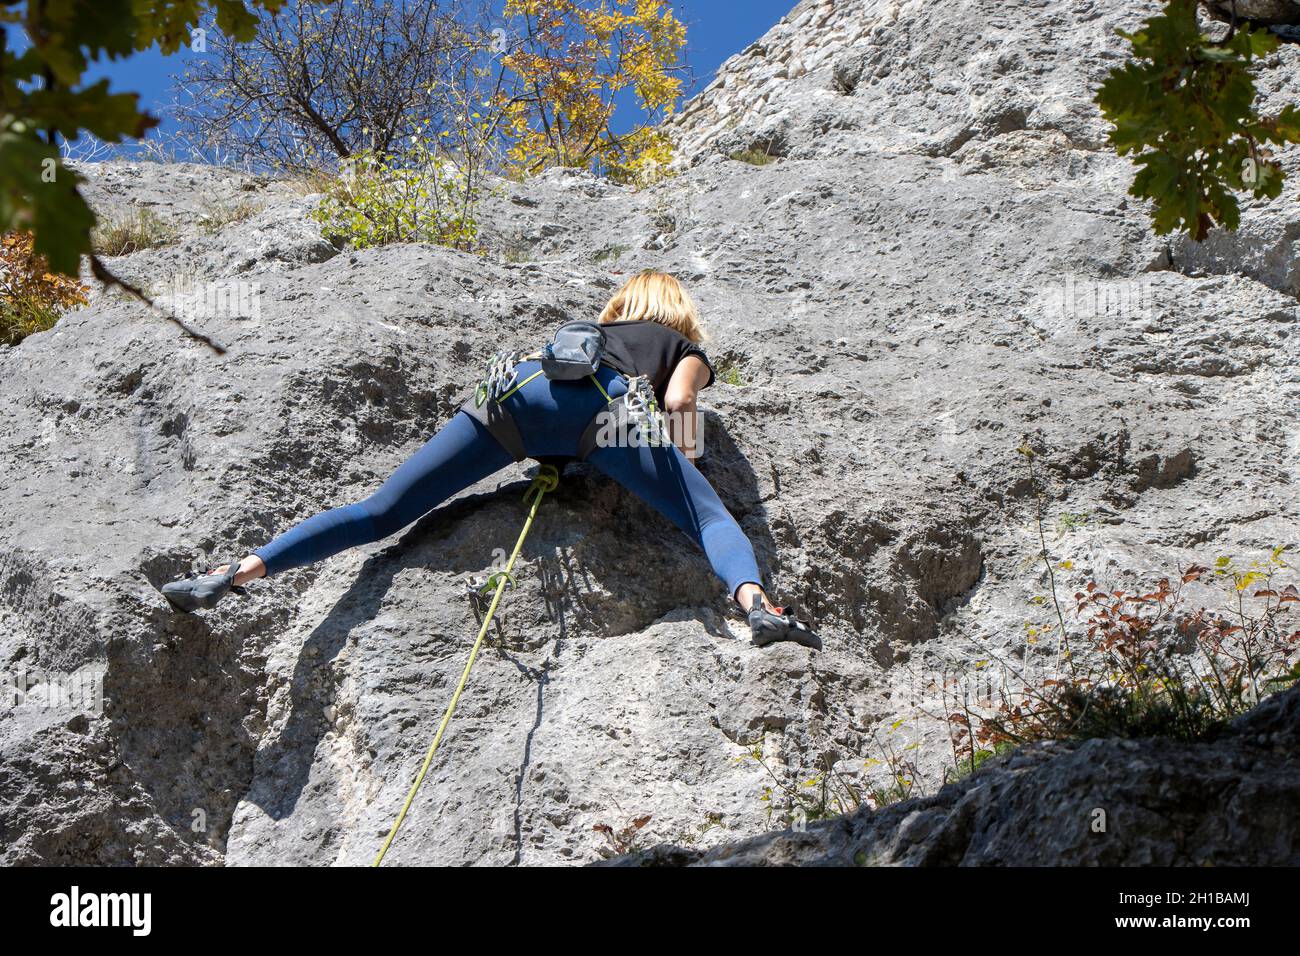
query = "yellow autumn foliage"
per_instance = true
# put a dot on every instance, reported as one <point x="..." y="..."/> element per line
<point x="575" y="58"/>
<point x="31" y="297"/>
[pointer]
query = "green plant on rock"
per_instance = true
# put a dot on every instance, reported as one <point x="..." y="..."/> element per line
<point x="795" y="798"/>
<point x="1072" y="521"/>
<point x="1288" y="678"/>
<point x="712" y="821"/>
<point x="611" y="252"/>
<point x="753" y="157"/>
<point x="417" y="197"/>
<point x="1184" y="108"/>
<point x="729" y="374"/>
<point x="794" y="801"/>
<point x="901" y="774"/>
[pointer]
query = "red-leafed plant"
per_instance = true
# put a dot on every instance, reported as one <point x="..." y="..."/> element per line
<point x="1154" y="664"/>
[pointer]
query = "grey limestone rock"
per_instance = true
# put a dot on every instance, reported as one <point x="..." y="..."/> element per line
<point x="942" y="264"/>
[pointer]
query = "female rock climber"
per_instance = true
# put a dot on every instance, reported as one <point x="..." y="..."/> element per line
<point x="652" y="329"/>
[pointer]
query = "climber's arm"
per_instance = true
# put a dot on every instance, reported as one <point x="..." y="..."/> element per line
<point x="691" y="375"/>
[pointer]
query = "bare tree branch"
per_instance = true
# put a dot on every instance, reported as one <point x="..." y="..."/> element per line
<point x="321" y="81"/>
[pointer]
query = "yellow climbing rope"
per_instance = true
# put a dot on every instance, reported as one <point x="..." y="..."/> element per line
<point x="546" y="480"/>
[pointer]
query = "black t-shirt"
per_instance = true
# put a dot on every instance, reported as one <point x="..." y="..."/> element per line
<point x="650" y="349"/>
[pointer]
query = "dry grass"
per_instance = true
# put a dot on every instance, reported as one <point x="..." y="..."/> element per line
<point x="133" y="232"/>
<point x="216" y="216"/>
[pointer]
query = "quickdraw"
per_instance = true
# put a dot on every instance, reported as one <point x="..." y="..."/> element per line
<point x="502" y="373"/>
<point x="643" y="412"/>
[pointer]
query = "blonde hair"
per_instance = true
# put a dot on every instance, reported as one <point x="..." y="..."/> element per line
<point x="656" y="297"/>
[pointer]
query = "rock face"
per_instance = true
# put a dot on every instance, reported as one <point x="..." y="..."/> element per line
<point x="1260" y="11"/>
<point x="1233" y="802"/>
<point x="943" y="265"/>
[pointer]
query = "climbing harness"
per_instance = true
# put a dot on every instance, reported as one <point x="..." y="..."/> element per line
<point x="632" y="419"/>
<point x="576" y="351"/>
<point x="546" y="479"/>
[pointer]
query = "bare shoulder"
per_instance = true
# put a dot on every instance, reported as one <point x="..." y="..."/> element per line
<point x="692" y="372"/>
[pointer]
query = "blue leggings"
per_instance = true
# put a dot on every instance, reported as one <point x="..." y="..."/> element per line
<point x="551" y="417"/>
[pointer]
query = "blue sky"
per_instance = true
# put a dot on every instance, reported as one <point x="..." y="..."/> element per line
<point x="716" y="29"/>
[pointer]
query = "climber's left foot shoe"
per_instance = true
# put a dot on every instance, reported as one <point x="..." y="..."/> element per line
<point x="767" y="627"/>
<point x="201" y="591"/>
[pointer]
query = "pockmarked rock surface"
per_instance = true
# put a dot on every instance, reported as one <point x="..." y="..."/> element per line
<point x="941" y="265"/>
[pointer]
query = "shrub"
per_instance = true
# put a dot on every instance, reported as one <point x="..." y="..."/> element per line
<point x="795" y="800"/>
<point x="1144" y="663"/>
<point x="795" y="797"/>
<point x="31" y="297"/>
<point x="1153" y="664"/>
<point x="420" y="197"/>
<point x="610" y="253"/>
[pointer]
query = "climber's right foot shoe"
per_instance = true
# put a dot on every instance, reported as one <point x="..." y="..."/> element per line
<point x="767" y="627"/>
<point x="201" y="591"/>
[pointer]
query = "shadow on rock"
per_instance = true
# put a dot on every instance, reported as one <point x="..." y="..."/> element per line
<point x="594" y="580"/>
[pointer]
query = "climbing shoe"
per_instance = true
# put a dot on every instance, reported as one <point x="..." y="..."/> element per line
<point x="202" y="591"/>
<point x="768" y="627"/>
